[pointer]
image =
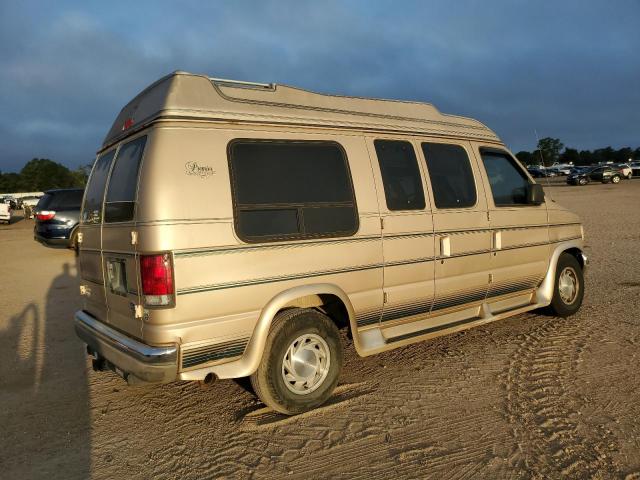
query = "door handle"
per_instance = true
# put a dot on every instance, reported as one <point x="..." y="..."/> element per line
<point x="445" y="246"/>
<point x="497" y="240"/>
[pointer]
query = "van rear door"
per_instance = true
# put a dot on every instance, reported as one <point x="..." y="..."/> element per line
<point x="90" y="253"/>
<point x="120" y="262"/>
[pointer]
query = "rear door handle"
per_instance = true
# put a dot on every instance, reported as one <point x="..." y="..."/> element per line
<point x="445" y="246"/>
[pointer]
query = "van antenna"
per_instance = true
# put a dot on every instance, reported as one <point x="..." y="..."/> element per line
<point x="544" y="167"/>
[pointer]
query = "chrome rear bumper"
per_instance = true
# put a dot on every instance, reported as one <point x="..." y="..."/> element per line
<point x="133" y="360"/>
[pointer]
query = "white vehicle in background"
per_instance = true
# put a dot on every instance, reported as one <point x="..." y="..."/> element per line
<point x="625" y="170"/>
<point x="635" y="169"/>
<point x="5" y="213"/>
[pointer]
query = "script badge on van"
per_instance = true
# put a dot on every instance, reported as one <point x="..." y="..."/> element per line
<point x="203" y="171"/>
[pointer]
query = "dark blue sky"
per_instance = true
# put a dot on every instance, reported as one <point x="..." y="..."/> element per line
<point x="569" y="69"/>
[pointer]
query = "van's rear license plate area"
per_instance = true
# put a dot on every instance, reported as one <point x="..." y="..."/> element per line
<point x="117" y="276"/>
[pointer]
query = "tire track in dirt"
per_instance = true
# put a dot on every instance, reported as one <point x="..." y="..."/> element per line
<point x="544" y="413"/>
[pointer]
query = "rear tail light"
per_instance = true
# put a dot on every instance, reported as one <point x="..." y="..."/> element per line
<point x="156" y="273"/>
<point x="45" y="215"/>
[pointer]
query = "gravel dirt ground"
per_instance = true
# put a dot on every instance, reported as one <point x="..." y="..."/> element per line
<point x="528" y="397"/>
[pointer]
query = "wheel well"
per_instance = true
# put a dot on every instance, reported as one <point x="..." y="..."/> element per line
<point x="577" y="254"/>
<point x="331" y="305"/>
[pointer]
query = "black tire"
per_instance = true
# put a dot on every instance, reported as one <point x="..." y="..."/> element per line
<point x="629" y="176"/>
<point x="559" y="306"/>
<point x="73" y="241"/>
<point x="583" y="181"/>
<point x="615" y="179"/>
<point x="268" y="380"/>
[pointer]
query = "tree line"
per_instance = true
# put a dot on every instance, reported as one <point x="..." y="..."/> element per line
<point x="40" y="174"/>
<point x="552" y="150"/>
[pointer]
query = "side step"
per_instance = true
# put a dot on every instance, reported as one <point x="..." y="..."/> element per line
<point x="437" y="328"/>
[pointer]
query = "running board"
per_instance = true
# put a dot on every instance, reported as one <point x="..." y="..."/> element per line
<point x="437" y="328"/>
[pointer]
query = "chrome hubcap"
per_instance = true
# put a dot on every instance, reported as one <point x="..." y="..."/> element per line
<point x="306" y="364"/>
<point x="568" y="285"/>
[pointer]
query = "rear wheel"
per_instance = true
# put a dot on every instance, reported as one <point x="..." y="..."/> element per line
<point x="568" y="290"/>
<point x="301" y="362"/>
<point x="73" y="241"/>
<point x="615" y="179"/>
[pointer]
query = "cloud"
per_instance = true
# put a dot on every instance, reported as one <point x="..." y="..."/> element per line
<point x="567" y="69"/>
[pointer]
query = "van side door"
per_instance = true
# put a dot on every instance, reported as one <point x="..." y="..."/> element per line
<point x="520" y="233"/>
<point x="461" y="225"/>
<point x="407" y="231"/>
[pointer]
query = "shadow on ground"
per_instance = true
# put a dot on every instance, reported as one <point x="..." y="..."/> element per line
<point x="43" y="388"/>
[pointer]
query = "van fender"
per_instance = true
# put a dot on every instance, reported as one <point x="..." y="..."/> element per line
<point x="544" y="293"/>
<point x="250" y="360"/>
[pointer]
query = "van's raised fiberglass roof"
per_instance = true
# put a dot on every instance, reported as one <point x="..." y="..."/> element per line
<point x="186" y="95"/>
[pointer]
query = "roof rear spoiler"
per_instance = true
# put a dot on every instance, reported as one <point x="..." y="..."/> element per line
<point x="242" y="83"/>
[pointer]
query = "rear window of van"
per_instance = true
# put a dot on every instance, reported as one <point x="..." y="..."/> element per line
<point x="121" y="192"/>
<point x="121" y="184"/>
<point x="92" y="209"/>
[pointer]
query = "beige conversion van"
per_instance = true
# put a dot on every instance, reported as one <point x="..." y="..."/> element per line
<point x="231" y="229"/>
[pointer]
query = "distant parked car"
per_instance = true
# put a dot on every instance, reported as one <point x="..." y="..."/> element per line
<point x="576" y="170"/>
<point x="13" y="204"/>
<point x="541" y="172"/>
<point x="5" y="213"/>
<point x="635" y="169"/>
<point x="604" y="174"/>
<point x="57" y="216"/>
<point x="625" y="170"/>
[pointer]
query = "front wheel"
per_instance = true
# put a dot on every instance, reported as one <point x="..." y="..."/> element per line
<point x="568" y="289"/>
<point x="301" y="362"/>
<point x="583" y="181"/>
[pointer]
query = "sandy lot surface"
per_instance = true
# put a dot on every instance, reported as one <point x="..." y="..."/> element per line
<point x="528" y="397"/>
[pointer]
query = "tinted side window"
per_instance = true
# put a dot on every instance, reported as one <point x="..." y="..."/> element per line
<point x="400" y="175"/>
<point x="121" y="194"/>
<point x="92" y="210"/>
<point x="287" y="189"/>
<point x="451" y="175"/>
<point x="508" y="183"/>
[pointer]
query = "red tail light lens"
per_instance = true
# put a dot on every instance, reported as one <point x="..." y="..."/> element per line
<point x="156" y="273"/>
<point x="45" y="215"/>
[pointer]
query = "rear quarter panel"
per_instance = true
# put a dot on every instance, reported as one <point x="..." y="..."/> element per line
<point x="222" y="283"/>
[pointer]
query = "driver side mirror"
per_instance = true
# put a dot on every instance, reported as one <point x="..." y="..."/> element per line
<point x="535" y="194"/>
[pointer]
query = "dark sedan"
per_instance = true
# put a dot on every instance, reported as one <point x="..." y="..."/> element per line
<point x="604" y="174"/>
<point x="57" y="215"/>
<point x="541" y="172"/>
